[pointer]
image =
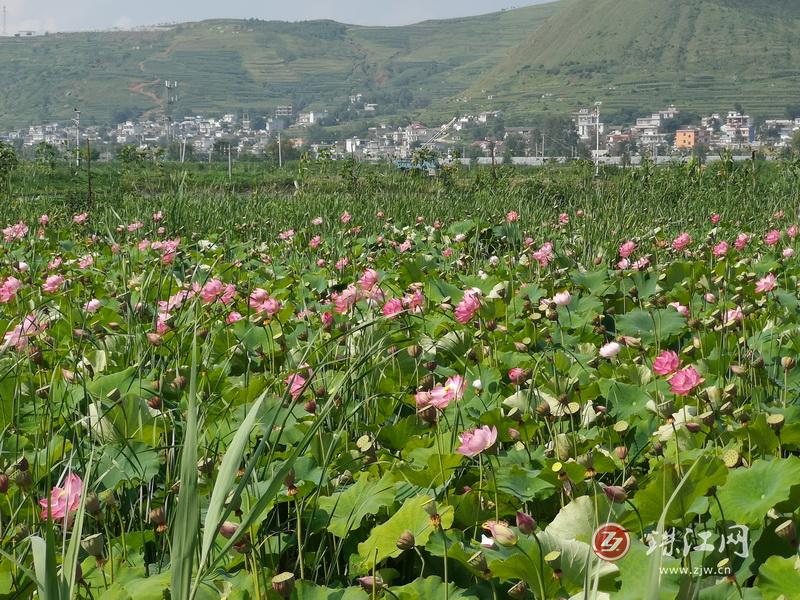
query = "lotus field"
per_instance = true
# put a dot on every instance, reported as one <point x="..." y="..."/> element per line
<point x="368" y="403"/>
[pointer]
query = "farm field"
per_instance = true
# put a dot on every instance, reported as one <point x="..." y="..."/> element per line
<point x="333" y="381"/>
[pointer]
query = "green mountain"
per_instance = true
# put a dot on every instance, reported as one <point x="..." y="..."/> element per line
<point x="703" y="55"/>
<point x="252" y="65"/>
<point x="631" y="54"/>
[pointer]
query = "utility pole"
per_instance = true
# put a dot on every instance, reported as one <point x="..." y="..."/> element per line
<point x="77" y="121"/>
<point x="542" y="148"/>
<point x="230" y="164"/>
<point x="89" y="169"/>
<point x="4" y="20"/>
<point x="280" y="152"/>
<point x="597" y="132"/>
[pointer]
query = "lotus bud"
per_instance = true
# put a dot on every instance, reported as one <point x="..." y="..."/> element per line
<point x="310" y="407"/>
<point x="621" y="452"/>
<point x="4" y="482"/>
<point x="615" y="493"/>
<point x="371" y="584"/>
<point x="406" y="540"/>
<point x="525" y="523"/>
<point x="283" y="584"/>
<point x="477" y="385"/>
<point x="154" y="339"/>
<point x="503" y="535"/>
<point x="788" y="363"/>
<point x="228" y="529"/>
<point x="414" y="350"/>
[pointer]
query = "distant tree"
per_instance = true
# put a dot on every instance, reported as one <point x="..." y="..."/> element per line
<point x="739" y="108"/>
<point x="515" y="144"/>
<point x="287" y="152"/>
<point x="796" y="141"/>
<point x="46" y="155"/>
<point x="793" y="111"/>
<point x="129" y="155"/>
<point x="8" y="162"/>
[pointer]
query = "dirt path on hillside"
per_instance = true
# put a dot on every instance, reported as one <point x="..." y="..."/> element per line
<point x="141" y="88"/>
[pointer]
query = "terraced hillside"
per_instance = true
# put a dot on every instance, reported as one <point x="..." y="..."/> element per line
<point x="703" y="55"/>
<point x="228" y="65"/>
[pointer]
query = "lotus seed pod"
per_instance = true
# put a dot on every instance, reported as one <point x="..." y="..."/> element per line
<point x="283" y="584"/>
<point x="158" y="516"/>
<point x="788" y="363"/>
<point x="731" y="458"/>
<point x="414" y="351"/>
<point x="478" y="562"/>
<point x="519" y="590"/>
<point x="92" y="503"/>
<point x="787" y="531"/>
<point x="371" y="584"/>
<point x="776" y="421"/>
<point x="94" y="545"/>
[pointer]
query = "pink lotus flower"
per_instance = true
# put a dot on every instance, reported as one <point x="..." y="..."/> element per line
<point x="52" y="284"/>
<point x="20" y="335"/>
<point x="766" y="284"/>
<point x="684" y="381"/>
<point x="610" y="350"/>
<point x="624" y="264"/>
<point x="626" y="249"/>
<point x="214" y="290"/>
<point x="475" y="441"/>
<point x="414" y="302"/>
<point x="345" y="300"/>
<point x="92" y="306"/>
<point x="379" y="214"/>
<point x="666" y="363"/>
<point x="346" y="217"/>
<point x="792" y="231"/>
<point x="788" y="252"/>
<point x="720" y="249"/>
<point x="562" y="298"/>
<point x="681" y="308"/>
<point x="452" y="390"/>
<point x="80" y="219"/>
<point x="517" y="376"/>
<point x="710" y="298"/>
<point x="315" y="242"/>
<point x="369" y="280"/>
<point x="158" y="216"/>
<point x="9" y="289"/>
<point x="512" y="216"/>
<point x="44" y="220"/>
<point x="715" y="218"/>
<point x="447" y="252"/>
<point x="772" y="237"/>
<point x="262" y="302"/>
<point x="642" y="263"/>
<point x="734" y="315"/>
<point x="741" y="241"/>
<point x="341" y="264"/>
<point x="15" y="232"/>
<point x="286" y="235"/>
<point x="233" y="317"/>
<point x="296" y="384"/>
<point x="327" y="319"/>
<point x="563" y="218"/>
<point x="544" y="255"/>
<point x="682" y="241"/>
<point x="468" y="307"/>
<point x="392" y="308"/>
<point x="86" y="261"/>
<point x="63" y="501"/>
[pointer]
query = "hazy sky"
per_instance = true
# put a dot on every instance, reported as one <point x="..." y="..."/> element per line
<point x="70" y="15"/>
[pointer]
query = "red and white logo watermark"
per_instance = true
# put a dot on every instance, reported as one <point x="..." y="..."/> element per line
<point x="611" y="542"/>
